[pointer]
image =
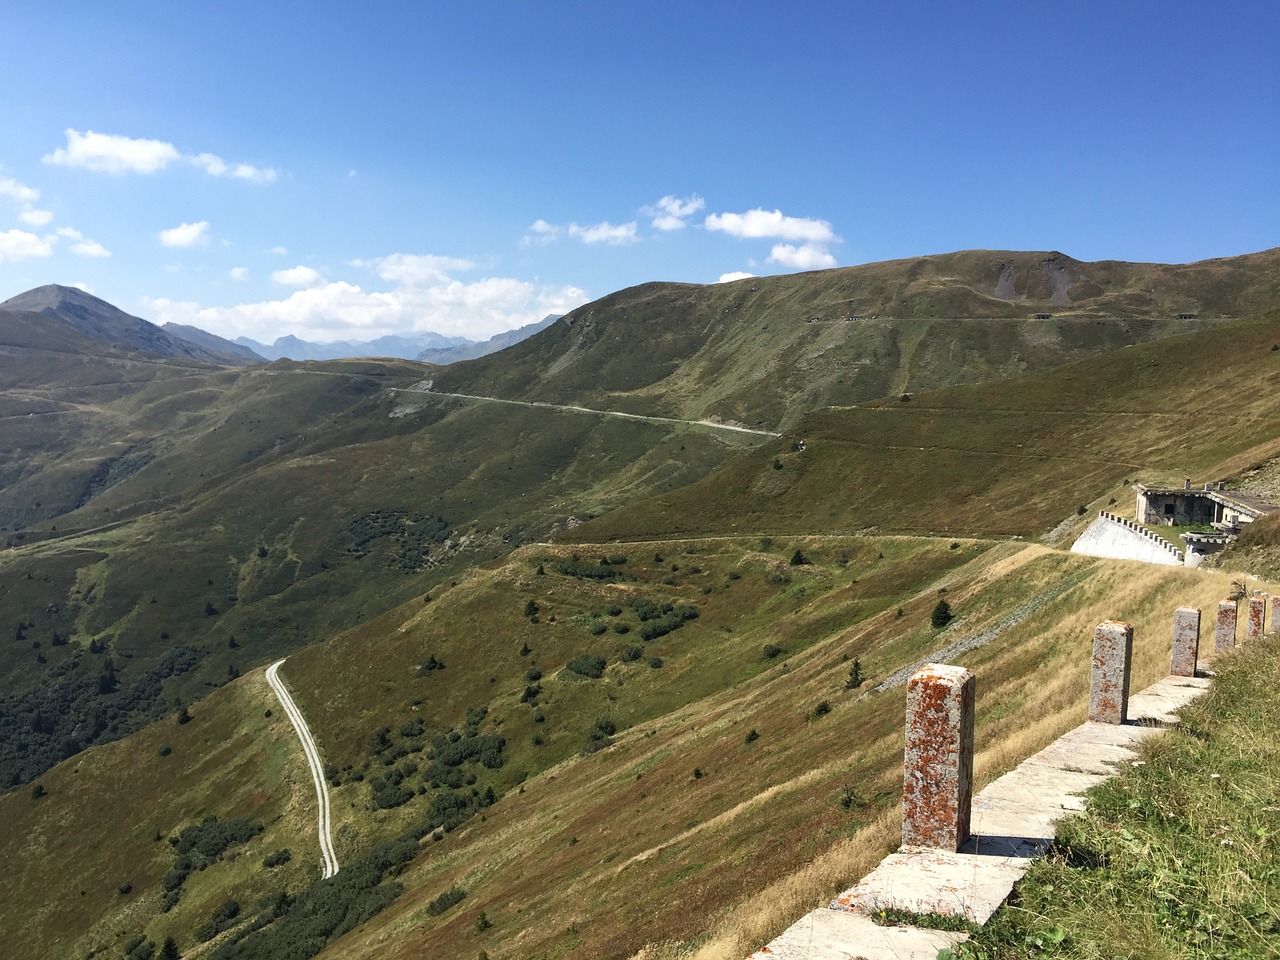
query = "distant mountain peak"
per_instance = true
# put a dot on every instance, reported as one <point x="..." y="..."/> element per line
<point x="99" y="320"/>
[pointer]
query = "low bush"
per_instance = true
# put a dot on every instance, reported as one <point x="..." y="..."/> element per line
<point x="587" y="665"/>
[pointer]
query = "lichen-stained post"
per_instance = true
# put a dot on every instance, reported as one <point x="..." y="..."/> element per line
<point x="1186" y="642"/>
<point x="937" y="787"/>
<point x="1109" y="679"/>
<point x="1275" y="613"/>
<point x="1224" y="637"/>
<point x="1257" y="617"/>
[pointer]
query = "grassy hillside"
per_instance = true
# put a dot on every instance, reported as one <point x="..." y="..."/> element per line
<point x="590" y="837"/>
<point x="241" y="514"/>
<point x="641" y="740"/>
<point x="998" y="459"/>
<point x="764" y="351"/>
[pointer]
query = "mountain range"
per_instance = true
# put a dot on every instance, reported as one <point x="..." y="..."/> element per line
<point x="577" y="652"/>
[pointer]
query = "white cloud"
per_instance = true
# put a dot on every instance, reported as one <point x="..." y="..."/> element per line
<point x="26" y="196"/>
<point x="238" y="273"/>
<point x="298" y="276"/>
<point x="83" y="247"/>
<point x="422" y="296"/>
<point x="670" y="213"/>
<point x="415" y="270"/>
<point x="279" y="251"/>
<point x="111" y="153"/>
<point x="540" y="233"/>
<point x="215" y="166"/>
<point x="186" y="234"/>
<point x="756" y="224"/>
<point x="736" y="275"/>
<point x="605" y="232"/>
<point x="808" y="256"/>
<point x="18" y="191"/>
<point x="107" y="153"/>
<point x="20" y="245"/>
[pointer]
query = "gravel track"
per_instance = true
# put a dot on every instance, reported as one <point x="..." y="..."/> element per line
<point x="313" y="761"/>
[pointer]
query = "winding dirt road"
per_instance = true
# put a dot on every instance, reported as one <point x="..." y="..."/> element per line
<point x="313" y="761"/>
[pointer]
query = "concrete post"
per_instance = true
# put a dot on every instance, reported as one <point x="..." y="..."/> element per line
<point x="1109" y="679"/>
<point x="1224" y="637"/>
<point x="1257" y="617"/>
<point x="1275" y="613"/>
<point x="937" y="775"/>
<point x="1186" y="642"/>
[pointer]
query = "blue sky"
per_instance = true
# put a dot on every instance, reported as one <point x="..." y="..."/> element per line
<point x="344" y="171"/>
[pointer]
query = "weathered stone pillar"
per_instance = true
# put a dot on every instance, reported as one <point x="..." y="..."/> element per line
<point x="1109" y="679"/>
<point x="937" y="775"/>
<point x="1275" y="613"/>
<point x="1186" y="642"/>
<point x="1224" y="637"/>
<point x="1257" y="617"/>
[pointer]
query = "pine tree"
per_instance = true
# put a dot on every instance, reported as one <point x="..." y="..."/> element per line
<point x="855" y="676"/>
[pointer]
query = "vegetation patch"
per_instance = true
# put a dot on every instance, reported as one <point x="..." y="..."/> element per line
<point x="414" y="534"/>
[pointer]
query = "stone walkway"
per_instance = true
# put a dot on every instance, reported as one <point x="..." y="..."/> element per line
<point x="1013" y="822"/>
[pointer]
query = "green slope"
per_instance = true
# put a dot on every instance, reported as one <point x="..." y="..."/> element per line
<point x="998" y="459"/>
<point x="765" y="350"/>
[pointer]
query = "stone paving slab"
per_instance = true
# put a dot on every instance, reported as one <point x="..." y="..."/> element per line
<point x="1014" y="821"/>
<point x="935" y="881"/>
<point x="839" y="935"/>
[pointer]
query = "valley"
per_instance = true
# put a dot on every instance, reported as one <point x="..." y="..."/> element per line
<point x="600" y="637"/>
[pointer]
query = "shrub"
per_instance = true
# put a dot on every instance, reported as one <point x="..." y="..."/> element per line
<point x="772" y="651"/>
<point x="446" y="900"/>
<point x="822" y="709"/>
<point x="655" y="663"/>
<point x="277" y="859"/>
<point x="597" y="629"/>
<point x="587" y="665"/>
<point x="429" y="665"/>
<point x="798" y="559"/>
<point x="751" y="736"/>
<point x="941" y="615"/>
<point x="632" y="653"/>
<point x="606" y="726"/>
<point x="412" y="727"/>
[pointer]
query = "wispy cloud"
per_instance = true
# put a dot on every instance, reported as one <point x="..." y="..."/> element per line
<point x="112" y="153"/>
<point x="736" y="275"/>
<point x="26" y="197"/>
<point x="238" y="273"/>
<point x="605" y="232"/>
<point x="616" y="235"/>
<point x="82" y="246"/>
<point x="186" y="235"/>
<point x="672" y="213"/>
